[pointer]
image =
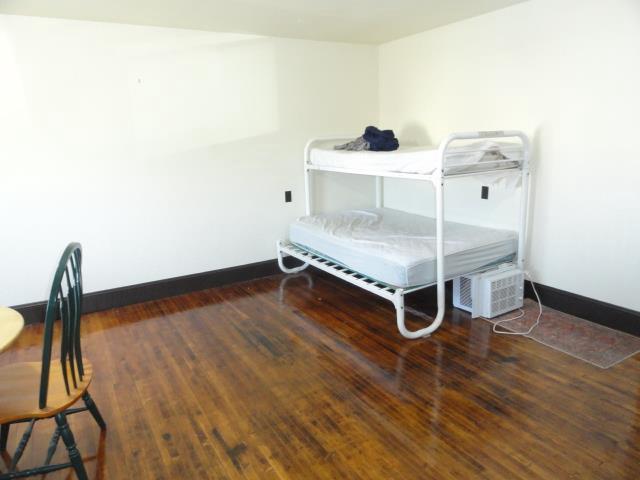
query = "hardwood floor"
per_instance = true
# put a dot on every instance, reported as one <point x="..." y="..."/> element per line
<point x="309" y="379"/>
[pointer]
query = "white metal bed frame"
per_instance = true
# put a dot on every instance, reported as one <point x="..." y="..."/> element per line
<point x="437" y="178"/>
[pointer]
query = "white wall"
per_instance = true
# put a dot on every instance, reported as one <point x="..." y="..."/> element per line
<point x="568" y="73"/>
<point x="165" y="152"/>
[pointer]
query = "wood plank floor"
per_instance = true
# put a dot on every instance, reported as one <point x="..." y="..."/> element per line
<point x="308" y="378"/>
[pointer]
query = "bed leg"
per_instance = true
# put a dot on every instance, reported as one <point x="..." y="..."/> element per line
<point x="398" y="302"/>
<point x="281" y="263"/>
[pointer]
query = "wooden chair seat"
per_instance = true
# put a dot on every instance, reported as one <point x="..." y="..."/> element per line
<point x="19" y="388"/>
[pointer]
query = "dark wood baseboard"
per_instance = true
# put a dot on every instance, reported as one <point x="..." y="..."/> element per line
<point x="607" y="314"/>
<point x="169" y="287"/>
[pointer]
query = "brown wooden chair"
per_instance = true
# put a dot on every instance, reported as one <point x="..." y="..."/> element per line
<point x="33" y="391"/>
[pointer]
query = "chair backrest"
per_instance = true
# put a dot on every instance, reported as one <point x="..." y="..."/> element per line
<point x="65" y="303"/>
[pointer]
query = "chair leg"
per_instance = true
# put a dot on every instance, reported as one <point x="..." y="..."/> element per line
<point x="4" y="436"/>
<point x="93" y="408"/>
<point x="70" y="443"/>
<point x="53" y="444"/>
<point x="22" y="445"/>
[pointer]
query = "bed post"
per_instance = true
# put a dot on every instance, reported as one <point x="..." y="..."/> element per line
<point x="439" y="191"/>
<point x="281" y="262"/>
<point x="524" y="200"/>
<point x="379" y="192"/>
<point x="308" y="193"/>
<point x="398" y="297"/>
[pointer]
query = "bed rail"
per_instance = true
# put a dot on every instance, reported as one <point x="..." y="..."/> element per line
<point x="485" y="135"/>
<point x="394" y="294"/>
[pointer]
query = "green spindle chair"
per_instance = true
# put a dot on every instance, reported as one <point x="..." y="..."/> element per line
<point x="33" y="391"/>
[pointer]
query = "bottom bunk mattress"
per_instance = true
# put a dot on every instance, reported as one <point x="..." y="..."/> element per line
<point x="399" y="248"/>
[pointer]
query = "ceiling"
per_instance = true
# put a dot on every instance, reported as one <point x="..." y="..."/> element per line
<point x="360" y="21"/>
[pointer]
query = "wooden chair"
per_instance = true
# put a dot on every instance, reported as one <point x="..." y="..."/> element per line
<point x="33" y="391"/>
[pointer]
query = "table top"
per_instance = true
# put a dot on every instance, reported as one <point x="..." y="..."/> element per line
<point x="11" y="323"/>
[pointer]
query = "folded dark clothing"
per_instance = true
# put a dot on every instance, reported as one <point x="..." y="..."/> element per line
<point x="372" y="133"/>
<point x="384" y="145"/>
<point x="380" y="140"/>
<point x="373" y="139"/>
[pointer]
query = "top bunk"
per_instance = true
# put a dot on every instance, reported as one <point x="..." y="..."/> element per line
<point x="460" y="154"/>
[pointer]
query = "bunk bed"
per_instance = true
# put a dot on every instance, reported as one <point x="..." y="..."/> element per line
<point x="392" y="253"/>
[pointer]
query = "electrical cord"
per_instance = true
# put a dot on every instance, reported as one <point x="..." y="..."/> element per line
<point x="532" y="327"/>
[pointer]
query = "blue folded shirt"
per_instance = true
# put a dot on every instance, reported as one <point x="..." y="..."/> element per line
<point x="380" y="140"/>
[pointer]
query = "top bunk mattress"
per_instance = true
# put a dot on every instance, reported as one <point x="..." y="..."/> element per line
<point x="473" y="157"/>
<point x="399" y="248"/>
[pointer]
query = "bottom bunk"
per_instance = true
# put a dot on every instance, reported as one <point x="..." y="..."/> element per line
<point x="391" y="253"/>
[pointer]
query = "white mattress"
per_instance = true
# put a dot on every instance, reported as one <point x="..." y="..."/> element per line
<point x="399" y="248"/>
<point x="476" y="156"/>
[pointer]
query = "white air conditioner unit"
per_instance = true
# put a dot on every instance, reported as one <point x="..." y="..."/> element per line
<point x="491" y="293"/>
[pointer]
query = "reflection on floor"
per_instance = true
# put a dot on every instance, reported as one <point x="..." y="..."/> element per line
<point x="308" y="378"/>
